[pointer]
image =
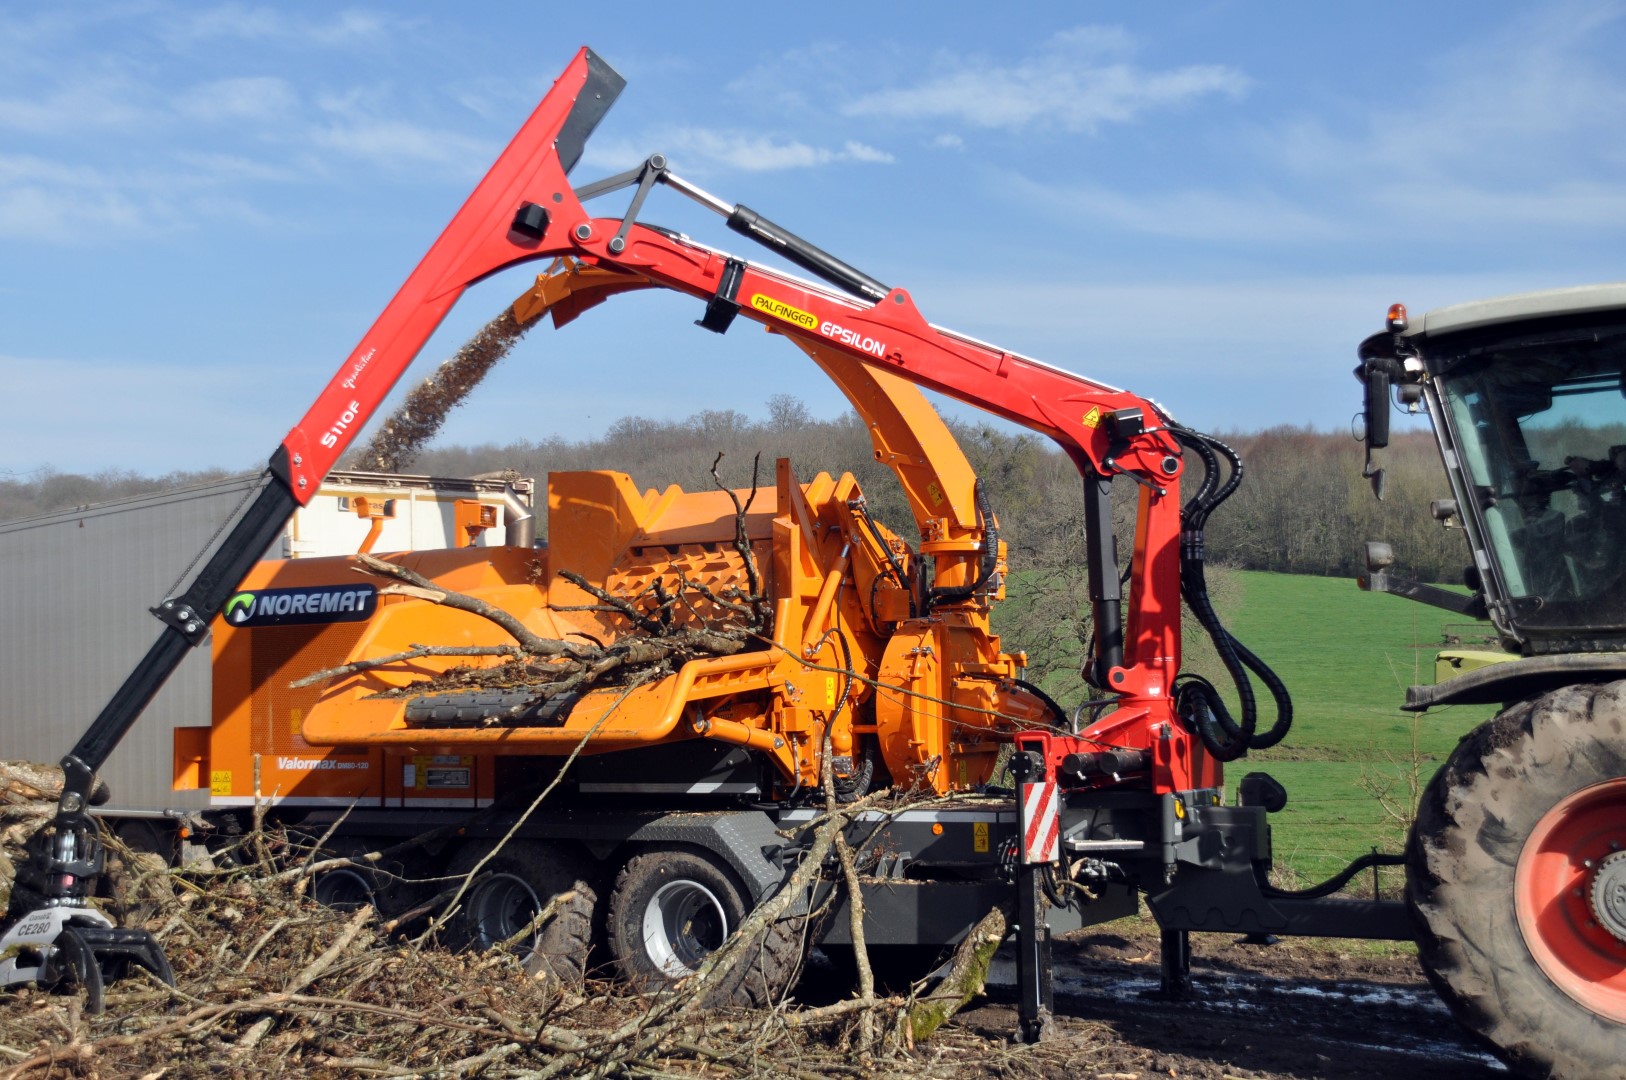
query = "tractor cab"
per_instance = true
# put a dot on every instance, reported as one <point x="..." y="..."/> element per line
<point x="1528" y="399"/>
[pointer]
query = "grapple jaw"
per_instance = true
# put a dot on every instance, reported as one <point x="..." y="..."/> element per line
<point x="53" y="936"/>
<point x="72" y="946"/>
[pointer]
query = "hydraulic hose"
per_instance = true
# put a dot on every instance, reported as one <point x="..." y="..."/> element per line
<point x="1196" y="699"/>
<point x="860" y="510"/>
<point x="1338" y="880"/>
<point x="985" y="567"/>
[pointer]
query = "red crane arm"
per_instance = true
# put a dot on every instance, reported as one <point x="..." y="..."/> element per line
<point x="526" y="209"/>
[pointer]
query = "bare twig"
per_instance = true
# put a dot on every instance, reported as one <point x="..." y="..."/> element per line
<point x="529" y="641"/>
<point x="855" y="905"/>
<point x="414" y="653"/>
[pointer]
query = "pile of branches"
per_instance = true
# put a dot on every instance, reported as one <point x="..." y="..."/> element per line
<point x="675" y="619"/>
<point x="270" y="983"/>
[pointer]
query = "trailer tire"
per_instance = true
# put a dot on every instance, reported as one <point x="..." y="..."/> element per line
<point x="344" y="888"/>
<point x="509" y="891"/>
<point x="1516" y="882"/>
<point x="672" y="907"/>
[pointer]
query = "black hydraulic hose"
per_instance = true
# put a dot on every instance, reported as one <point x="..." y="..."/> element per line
<point x="862" y="511"/>
<point x="1049" y="702"/>
<point x="1196" y="699"/>
<point x="985" y="567"/>
<point x="1338" y="880"/>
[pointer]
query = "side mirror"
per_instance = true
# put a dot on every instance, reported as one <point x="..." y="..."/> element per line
<point x="1377" y="407"/>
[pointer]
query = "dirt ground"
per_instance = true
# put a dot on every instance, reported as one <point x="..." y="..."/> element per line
<point x="1285" y="1011"/>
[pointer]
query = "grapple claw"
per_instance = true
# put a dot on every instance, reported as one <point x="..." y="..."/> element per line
<point x="77" y="946"/>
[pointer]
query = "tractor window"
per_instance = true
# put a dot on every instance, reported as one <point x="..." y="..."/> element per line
<point x="1542" y="432"/>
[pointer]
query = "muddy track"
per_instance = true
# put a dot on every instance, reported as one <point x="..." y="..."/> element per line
<point x="1288" y="1010"/>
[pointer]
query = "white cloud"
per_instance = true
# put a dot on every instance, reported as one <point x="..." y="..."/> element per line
<point x="261" y="99"/>
<point x="1256" y="218"/>
<point x="233" y="170"/>
<point x="47" y="200"/>
<point x="1521" y="126"/>
<point x="1077" y="81"/>
<point x="702" y="148"/>
<point x="53" y="202"/>
<point x="243" y="22"/>
<point x="399" y="143"/>
<point x="1560" y="204"/>
<point x="30" y="212"/>
<point x="857" y="151"/>
<point x="949" y="141"/>
<point x="93" y="102"/>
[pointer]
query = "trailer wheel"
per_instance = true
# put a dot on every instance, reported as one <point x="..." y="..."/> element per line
<point x="510" y="890"/>
<point x="1516" y="880"/>
<point x="344" y="889"/>
<point x="132" y="879"/>
<point x="671" y="908"/>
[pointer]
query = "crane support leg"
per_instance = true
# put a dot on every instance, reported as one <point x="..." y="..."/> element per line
<point x="1176" y="962"/>
<point x="1039" y="827"/>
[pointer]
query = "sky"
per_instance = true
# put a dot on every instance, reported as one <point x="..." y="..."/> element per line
<point x="202" y="207"/>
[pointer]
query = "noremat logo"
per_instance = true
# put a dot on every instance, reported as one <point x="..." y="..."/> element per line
<point x="292" y="607"/>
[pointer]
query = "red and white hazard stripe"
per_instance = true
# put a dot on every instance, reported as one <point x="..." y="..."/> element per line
<point x="1041" y="818"/>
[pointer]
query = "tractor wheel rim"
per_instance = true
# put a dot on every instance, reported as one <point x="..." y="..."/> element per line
<point x="1569" y="892"/>
<point x="683" y="924"/>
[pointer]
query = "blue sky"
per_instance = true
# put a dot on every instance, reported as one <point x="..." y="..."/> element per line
<point x="203" y="206"/>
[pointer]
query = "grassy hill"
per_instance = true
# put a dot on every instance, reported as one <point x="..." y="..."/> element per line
<point x="1354" y="760"/>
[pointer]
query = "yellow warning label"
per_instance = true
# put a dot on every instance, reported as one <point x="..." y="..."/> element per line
<point x="829" y="691"/>
<point x="979" y="836"/>
<point x="296" y="720"/>
<point x="220" y="782"/>
<point x="784" y="312"/>
<point x="1092" y="419"/>
<point x="935" y="492"/>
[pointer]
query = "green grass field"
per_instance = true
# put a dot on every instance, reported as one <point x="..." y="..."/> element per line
<point x="1347" y="656"/>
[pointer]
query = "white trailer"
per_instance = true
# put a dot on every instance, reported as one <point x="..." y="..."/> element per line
<point x="88" y="575"/>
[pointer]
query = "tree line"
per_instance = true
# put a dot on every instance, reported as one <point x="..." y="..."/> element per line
<point x="1302" y="508"/>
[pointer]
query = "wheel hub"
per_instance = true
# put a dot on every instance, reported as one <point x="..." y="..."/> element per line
<point x="501" y="906"/>
<point x="684" y="923"/>
<point x="1609" y="895"/>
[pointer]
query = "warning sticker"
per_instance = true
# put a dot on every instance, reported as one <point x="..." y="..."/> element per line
<point x="1092" y="419"/>
<point x="220" y="782"/>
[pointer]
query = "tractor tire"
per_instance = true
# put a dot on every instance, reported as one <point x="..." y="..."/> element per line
<point x="509" y="891"/>
<point x="1516" y="881"/>
<point x="673" y="907"/>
